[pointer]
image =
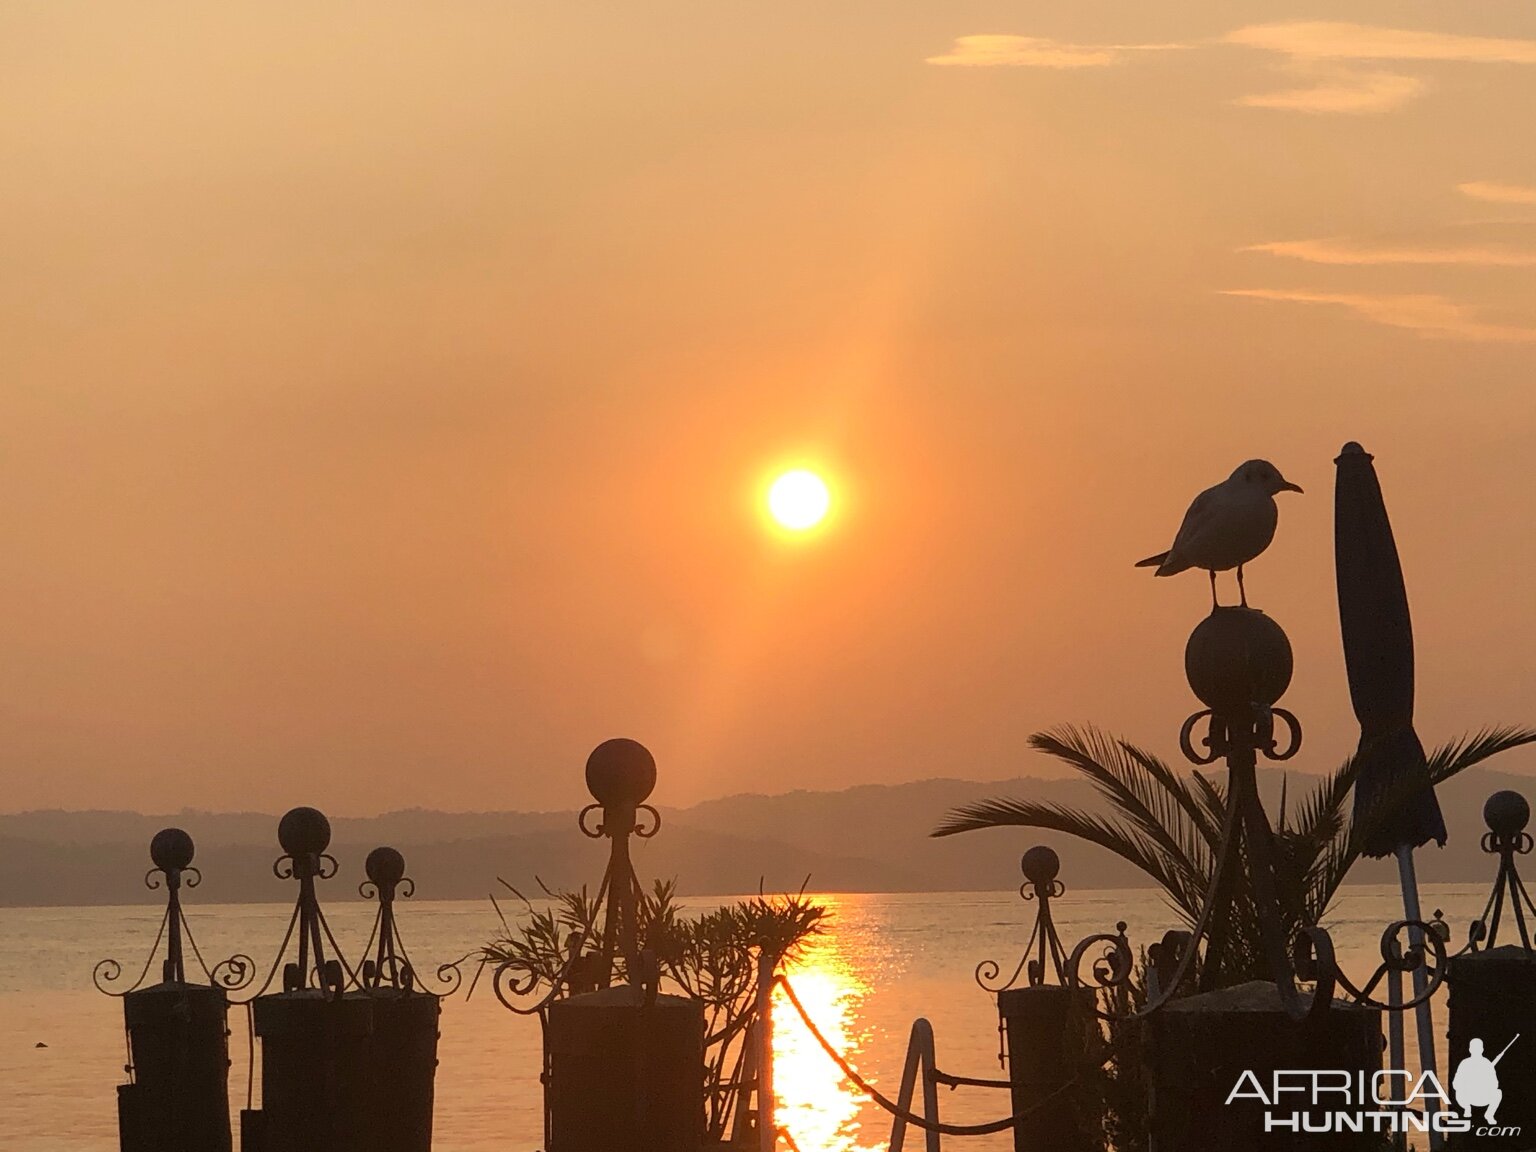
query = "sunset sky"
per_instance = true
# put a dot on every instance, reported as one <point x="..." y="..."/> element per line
<point x="387" y="390"/>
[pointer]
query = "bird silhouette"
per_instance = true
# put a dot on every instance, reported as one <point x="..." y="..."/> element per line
<point x="1226" y="526"/>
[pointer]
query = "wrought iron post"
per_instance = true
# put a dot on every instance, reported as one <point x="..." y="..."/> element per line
<point x="623" y="1065"/>
<point x="315" y="1067"/>
<point x="621" y="774"/>
<point x="1238" y="662"/>
<point x="1196" y="1041"/>
<point x="1493" y="993"/>
<point x="177" y="1031"/>
<point x="402" y="1047"/>
<point x="1046" y="1028"/>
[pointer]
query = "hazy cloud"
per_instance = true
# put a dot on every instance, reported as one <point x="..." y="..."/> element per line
<point x="1497" y="193"/>
<point x="993" y="50"/>
<point x="1430" y="316"/>
<point x="1339" y="251"/>
<point x="1348" y="92"/>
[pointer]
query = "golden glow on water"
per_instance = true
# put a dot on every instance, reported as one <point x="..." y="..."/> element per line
<point x="816" y="1105"/>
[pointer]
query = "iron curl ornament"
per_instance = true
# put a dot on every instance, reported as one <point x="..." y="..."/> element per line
<point x="1220" y="733"/>
<point x="1506" y="813"/>
<point x="171" y="851"/>
<point x="620" y="775"/>
<point x="1040" y="866"/>
<point x="1112" y="967"/>
<point x="643" y="829"/>
<point x="517" y="986"/>
<point x="386" y="964"/>
<point x="1315" y="960"/>
<point x="286" y="866"/>
<point x="304" y="834"/>
<point x="156" y="878"/>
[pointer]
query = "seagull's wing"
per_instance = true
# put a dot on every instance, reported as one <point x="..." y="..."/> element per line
<point x="1203" y="511"/>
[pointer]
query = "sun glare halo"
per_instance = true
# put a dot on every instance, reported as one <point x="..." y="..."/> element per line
<point x="798" y="500"/>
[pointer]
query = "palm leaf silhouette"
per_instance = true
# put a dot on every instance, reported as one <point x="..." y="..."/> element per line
<point x="1168" y="826"/>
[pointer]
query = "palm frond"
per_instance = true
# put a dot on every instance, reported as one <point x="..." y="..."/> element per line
<point x="1213" y="799"/>
<point x="1157" y="811"/>
<point x="1169" y="826"/>
<point x="1459" y="755"/>
<point x="1183" y="794"/>
<point x="1125" y="842"/>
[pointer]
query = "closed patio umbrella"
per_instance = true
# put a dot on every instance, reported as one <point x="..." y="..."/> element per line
<point x="1395" y="808"/>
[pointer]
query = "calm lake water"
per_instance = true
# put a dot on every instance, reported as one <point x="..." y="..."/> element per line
<point x="885" y="960"/>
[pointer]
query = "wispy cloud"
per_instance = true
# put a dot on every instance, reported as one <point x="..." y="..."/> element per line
<point x="1496" y="193"/>
<point x="990" y="50"/>
<point x="1429" y="316"/>
<point x="1348" y="92"/>
<point x="1328" y="49"/>
<point x="1331" y="40"/>
<point x="1329" y="60"/>
<point x="1339" y="251"/>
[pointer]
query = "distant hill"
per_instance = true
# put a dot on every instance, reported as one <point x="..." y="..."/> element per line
<point x="872" y="838"/>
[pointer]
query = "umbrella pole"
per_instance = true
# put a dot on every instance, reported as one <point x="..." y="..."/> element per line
<point x="1424" y="1025"/>
<point x="1395" y="1053"/>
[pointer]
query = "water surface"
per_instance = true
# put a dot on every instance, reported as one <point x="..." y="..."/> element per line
<point x="885" y="960"/>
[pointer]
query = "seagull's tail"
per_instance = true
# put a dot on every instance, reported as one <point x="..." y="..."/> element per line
<point x="1152" y="561"/>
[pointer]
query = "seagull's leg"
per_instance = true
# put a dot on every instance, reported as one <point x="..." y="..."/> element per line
<point x="1241" y="591"/>
<point x="1215" y="603"/>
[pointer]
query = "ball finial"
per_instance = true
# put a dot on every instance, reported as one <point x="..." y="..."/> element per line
<point x="1506" y="813"/>
<point x="1040" y="865"/>
<point x="385" y="867"/>
<point x="304" y="832"/>
<point x="171" y="850"/>
<point x="1237" y="658"/>
<point x="620" y="772"/>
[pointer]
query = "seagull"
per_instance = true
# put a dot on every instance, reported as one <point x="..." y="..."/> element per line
<point x="1226" y="526"/>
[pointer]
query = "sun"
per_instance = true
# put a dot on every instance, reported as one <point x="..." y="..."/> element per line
<point x="798" y="500"/>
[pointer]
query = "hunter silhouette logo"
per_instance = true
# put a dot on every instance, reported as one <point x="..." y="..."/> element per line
<point x="1476" y="1082"/>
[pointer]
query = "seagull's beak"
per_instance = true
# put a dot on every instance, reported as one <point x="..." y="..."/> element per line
<point x="1287" y="486"/>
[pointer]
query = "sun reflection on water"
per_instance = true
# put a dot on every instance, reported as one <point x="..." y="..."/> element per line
<point x="815" y="1104"/>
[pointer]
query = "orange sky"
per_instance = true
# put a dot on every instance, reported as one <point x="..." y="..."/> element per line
<point x="384" y="388"/>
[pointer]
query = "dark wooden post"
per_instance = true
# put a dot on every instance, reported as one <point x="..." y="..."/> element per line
<point x="1493" y="989"/>
<point x="1196" y="1049"/>
<point x="626" y="1072"/>
<point x="177" y="1035"/>
<point x="403" y="1045"/>
<point x="1048" y="1030"/>
<point x="1493" y="999"/>
<point x="316" y="1085"/>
